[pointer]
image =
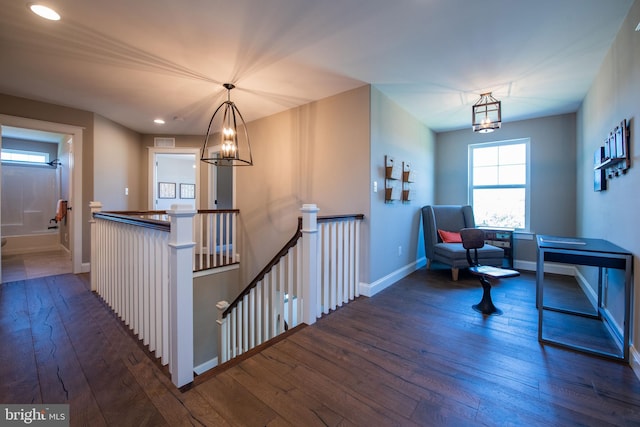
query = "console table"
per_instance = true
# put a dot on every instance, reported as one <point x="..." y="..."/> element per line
<point x="502" y="238"/>
<point x="591" y="252"/>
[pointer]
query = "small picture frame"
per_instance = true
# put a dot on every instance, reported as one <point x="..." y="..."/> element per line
<point x="621" y="149"/>
<point x="187" y="191"/>
<point x="166" y="190"/>
<point x="612" y="146"/>
<point x="599" y="176"/>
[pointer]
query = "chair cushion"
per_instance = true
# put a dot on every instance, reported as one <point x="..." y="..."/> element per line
<point x="455" y="251"/>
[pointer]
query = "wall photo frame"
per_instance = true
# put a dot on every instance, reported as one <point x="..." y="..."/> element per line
<point x="166" y="190"/>
<point x="599" y="176"/>
<point x="187" y="191"/>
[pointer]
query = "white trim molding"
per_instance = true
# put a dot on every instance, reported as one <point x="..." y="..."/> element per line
<point x="370" y="289"/>
<point x="204" y="367"/>
<point x="634" y="360"/>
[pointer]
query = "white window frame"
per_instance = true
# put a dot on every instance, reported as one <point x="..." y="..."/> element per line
<point x="26" y="153"/>
<point x="526" y="186"/>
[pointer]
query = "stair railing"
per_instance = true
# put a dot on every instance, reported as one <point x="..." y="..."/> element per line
<point x="316" y="271"/>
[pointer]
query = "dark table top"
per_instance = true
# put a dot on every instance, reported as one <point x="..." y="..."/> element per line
<point x="579" y="244"/>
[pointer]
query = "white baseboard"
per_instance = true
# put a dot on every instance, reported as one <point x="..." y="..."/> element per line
<point x="549" y="267"/>
<point x="85" y="267"/>
<point x="216" y="270"/>
<point x="26" y="251"/>
<point x="588" y="290"/>
<point x="370" y="289"/>
<point x="204" y="367"/>
<point x="634" y="360"/>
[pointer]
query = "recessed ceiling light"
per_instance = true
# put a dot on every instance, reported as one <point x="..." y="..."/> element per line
<point x="638" y="27"/>
<point x="44" y="12"/>
<point x="158" y="121"/>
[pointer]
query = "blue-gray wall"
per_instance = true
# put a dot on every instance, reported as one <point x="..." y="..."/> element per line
<point x="553" y="174"/>
<point x="396" y="133"/>
<point x="613" y="214"/>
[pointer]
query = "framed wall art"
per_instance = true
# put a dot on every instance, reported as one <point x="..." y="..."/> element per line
<point x="166" y="190"/>
<point x="187" y="191"/>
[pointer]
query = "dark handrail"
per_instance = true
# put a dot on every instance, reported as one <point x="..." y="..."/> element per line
<point x="291" y="243"/>
<point x="340" y="217"/>
<point x="136" y="217"/>
<point x="140" y="222"/>
<point x="200" y="211"/>
<point x="206" y="211"/>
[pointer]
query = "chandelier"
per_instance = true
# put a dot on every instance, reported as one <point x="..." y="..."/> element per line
<point x="486" y="114"/>
<point x="230" y="130"/>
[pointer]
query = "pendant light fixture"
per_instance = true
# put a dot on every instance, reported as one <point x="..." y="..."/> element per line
<point x="228" y="125"/>
<point x="486" y="114"/>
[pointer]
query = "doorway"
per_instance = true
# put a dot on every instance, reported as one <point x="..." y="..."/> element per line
<point x="66" y="166"/>
<point x="176" y="178"/>
<point x="221" y="184"/>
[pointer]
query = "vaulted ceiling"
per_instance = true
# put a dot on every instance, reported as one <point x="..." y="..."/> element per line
<point x="134" y="61"/>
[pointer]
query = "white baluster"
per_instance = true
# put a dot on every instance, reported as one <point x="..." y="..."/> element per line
<point x="299" y="272"/>
<point x="252" y="318"/>
<point x="245" y="323"/>
<point x="259" y="307"/>
<point x="356" y="268"/>
<point x="214" y="240"/>
<point x="290" y="288"/>
<point x="233" y="240"/>
<point x="268" y="303"/>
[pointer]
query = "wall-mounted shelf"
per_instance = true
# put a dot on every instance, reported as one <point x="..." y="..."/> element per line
<point x="407" y="180"/>
<point x="392" y="174"/>
<point x="612" y="159"/>
<point x="398" y="180"/>
<point x="609" y="163"/>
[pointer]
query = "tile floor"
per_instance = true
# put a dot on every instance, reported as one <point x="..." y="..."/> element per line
<point x="37" y="264"/>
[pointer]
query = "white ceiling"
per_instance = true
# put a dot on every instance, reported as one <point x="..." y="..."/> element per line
<point x="133" y="61"/>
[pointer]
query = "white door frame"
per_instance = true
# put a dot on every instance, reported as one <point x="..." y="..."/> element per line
<point x="75" y="169"/>
<point x="152" y="170"/>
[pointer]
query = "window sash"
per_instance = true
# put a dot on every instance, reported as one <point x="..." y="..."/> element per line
<point x="489" y="160"/>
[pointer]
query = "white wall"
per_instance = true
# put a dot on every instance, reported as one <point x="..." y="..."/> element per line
<point x="613" y="214"/>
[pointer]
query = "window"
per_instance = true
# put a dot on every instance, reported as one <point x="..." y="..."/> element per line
<point x="499" y="183"/>
<point x="23" y="156"/>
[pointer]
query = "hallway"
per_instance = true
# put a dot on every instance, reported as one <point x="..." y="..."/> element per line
<point x="36" y="264"/>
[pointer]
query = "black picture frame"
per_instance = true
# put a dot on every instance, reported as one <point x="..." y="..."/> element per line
<point x="187" y="191"/>
<point x="619" y="137"/>
<point x="599" y="174"/>
<point x="166" y="190"/>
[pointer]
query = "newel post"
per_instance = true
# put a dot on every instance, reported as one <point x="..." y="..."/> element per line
<point x="309" y="263"/>
<point x="95" y="268"/>
<point x="223" y="338"/>
<point x="181" y="246"/>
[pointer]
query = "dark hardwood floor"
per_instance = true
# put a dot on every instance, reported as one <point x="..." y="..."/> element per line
<point x="415" y="354"/>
